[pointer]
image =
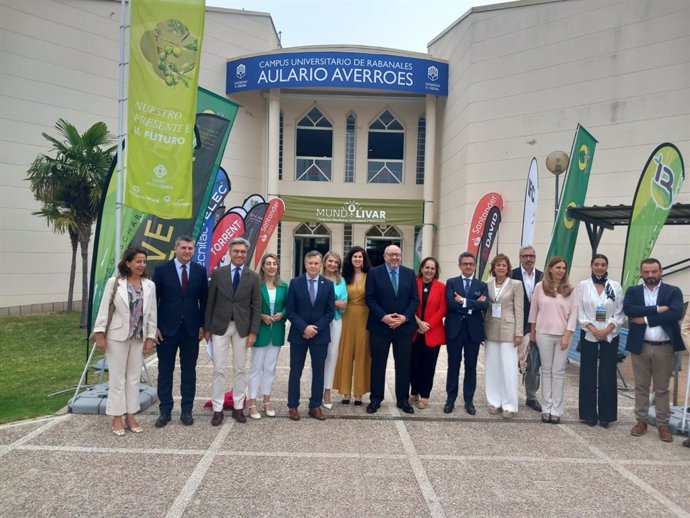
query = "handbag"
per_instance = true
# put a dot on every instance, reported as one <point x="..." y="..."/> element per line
<point x="111" y="311"/>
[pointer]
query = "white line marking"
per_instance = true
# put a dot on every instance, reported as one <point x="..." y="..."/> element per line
<point x="26" y="438"/>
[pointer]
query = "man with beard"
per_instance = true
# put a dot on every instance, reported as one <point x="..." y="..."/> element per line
<point x="653" y="310"/>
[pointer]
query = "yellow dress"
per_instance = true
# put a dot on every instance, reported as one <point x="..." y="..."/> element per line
<point x="354" y="359"/>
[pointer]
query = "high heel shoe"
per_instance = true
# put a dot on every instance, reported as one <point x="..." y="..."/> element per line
<point x="268" y="408"/>
<point x="253" y="411"/>
<point x="135" y="429"/>
<point x="119" y="432"/>
<point x="422" y="403"/>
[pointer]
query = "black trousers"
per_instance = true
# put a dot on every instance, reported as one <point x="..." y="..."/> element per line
<point x="423" y="367"/>
<point x="298" y="357"/>
<point x="167" y="352"/>
<point x="379" y="345"/>
<point x="456" y="347"/>
<point x="598" y="385"/>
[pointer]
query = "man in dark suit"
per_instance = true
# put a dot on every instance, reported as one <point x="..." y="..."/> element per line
<point x="467" y="299"/>
<point x="310" y="309"/>
<point x="392" y="297"/>
<point x="181" y="293"/>
<point x="529" y="276"/>
<point x="654" y="310"/>
<point x="233" y="315"/>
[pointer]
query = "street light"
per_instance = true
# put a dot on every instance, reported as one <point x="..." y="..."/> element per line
<point x="557" y="163"/>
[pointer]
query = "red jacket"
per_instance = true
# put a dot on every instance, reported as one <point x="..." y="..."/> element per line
<point x="435" y="312"/>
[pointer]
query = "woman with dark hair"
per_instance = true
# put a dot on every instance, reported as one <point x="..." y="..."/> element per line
<point x="430" y="334"/>
<point x="332" y="264"/>
<point x="354" y="360"/>
<point x="503" y="330"/>
<point x="271" y="336"/>
<point x="553" y="316"/>
<point x="600" y="312"/>
<point x="125" y="329"/>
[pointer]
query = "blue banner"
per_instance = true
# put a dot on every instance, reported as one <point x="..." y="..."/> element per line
<point x="338" y="70"/>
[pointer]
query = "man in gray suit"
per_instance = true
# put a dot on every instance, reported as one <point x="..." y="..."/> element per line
<point x="233" y="315"/>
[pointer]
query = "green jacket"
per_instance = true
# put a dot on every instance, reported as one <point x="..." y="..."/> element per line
<point x="275" y="333"/>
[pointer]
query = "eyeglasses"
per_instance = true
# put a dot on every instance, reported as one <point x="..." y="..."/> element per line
<point x="467" y="264"/>
<point x="529" y="256"/>
<point x="393" y="255"/>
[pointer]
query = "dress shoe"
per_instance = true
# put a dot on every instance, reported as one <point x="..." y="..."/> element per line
<point x="268" y="408"/>
<point x="664" y="433"/>
<point x="639" y="429"/>
<point x="546" y="418"/>
<point x="186" y="418"/>
<point x="373" y="407"/>
<point x="555" y="419"/>
<point x="316" y="413"/>
<point x="534" y="404"/>
<point x="448" y="407"/>
<point x="406" y="407"/>
<point x="358" y="402"/>
<point x="328" y="406"/>
<point x="217" y="418"/>
<point x="604" y="424"/>
<point x="238" y="415"/>
<point x="591" y="422"/>
<point x="253" y="410"/>
<point x="345" y="401"/>
<point x="162" y="420"/>
<point x="293" y="414"/>
<point x="469" y="408"/>
<point x="686" y="443"/>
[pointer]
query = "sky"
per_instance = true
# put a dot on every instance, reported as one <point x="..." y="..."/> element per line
<point x="399" y="24"/>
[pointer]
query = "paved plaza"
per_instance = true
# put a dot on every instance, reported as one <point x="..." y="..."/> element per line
<point x="352" y="465"/>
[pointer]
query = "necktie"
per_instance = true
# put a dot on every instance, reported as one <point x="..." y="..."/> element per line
<point x="184" y="278"/>
<point x="394" y="280"/>
<point x="467" y="286"/>
<point x="312" y="290"/>
<point x="236" y="280"/>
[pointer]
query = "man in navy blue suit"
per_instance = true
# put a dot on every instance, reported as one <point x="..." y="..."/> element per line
<point x="467" y="302"/>
<point x="181" y="292"/>
<point x="310" y="309"/>
<point x="529" y="276"/>
<point x="392" y="297"/>
<point x="654" y="310"/>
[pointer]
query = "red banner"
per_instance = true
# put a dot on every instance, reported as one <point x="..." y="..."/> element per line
<point x="274" y="212"/>
<point x="230" y="226"/>
<point x="481" y="213"/>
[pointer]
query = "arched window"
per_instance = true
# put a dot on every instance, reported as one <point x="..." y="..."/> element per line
<point x="314" y="154"/>
<point x="421" y="147"/>
<point x="385" y="150"/>
<point x="350" y="138"/>
<point x="378" y="238"/>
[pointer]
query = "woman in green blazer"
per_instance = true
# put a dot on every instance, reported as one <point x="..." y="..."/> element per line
<point x="271" y="336"/>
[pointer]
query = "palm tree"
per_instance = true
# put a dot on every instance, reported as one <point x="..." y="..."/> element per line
<point x="69" y="187"/>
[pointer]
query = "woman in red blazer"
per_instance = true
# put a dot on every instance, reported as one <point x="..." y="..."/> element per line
<point x="430" y="333"/>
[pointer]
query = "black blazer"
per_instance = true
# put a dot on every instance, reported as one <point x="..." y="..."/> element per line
<point x="457" y="313"/>
<point x="176" y="308"/>
<point x="382" y="299"/>
<point x="634" y="306"/>
<point x="517" y="275"/>
<point x="301" y="312"/>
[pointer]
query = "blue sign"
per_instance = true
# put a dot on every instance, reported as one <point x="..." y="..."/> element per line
<point x="338" y="70"/>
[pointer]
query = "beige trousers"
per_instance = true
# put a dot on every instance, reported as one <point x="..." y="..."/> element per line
<point x="221" y="348"/>
<point x="653" y="364"/>
<point x="125" y="360"/>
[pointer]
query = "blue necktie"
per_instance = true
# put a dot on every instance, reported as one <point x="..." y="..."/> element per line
<point x="312" y="290"/>
<point x="467" y="286"/>
<point x="394" y="280"/>
<point x="236" y="280"/>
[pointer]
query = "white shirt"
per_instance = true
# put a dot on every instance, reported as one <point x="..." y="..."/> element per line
<point x="528" y="282"/>
<point x="587" y="301"/>
<point x="656" y="333"/>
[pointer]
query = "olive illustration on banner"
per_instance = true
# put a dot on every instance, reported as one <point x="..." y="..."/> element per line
<point x="171" y="49"/>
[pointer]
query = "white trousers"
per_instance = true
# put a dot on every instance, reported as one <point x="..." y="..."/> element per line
<point x="501" y="375"/>
<point x="332" y="355"/>
<point x="221" y="347"/>
<point x="553" y="361"/>
<point x="262" y="370"/>
<point x="125" y="360"/>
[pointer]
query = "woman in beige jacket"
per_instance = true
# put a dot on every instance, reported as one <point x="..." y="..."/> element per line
<point x="131" y="332"/>
<point x="503" y="328"/>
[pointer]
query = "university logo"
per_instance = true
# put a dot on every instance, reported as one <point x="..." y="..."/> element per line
<point x="241" y="71"/>
<point x="432" y="73"/>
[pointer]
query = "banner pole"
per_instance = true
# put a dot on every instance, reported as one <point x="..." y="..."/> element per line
<point x="121" y="128"/>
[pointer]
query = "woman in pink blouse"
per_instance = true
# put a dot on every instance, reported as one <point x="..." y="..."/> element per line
<point x="553" y="316"/>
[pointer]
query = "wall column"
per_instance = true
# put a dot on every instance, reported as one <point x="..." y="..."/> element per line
<point x="273" y="153"/>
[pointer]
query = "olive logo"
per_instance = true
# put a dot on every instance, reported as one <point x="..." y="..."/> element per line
<point x="171" y="49"/>
<point x="661" y="185"/>
<point x="568" y="222"/>
<point x="583" y="157"/>
<point x="160" y="171"/>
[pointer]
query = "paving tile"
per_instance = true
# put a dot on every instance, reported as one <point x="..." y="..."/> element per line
<point x="671" y="481"/>
<point x="10" y="433"/>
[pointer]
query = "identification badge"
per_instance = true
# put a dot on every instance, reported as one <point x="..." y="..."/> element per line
<point x="601" y="313"/>
<point x="496" y="310"/>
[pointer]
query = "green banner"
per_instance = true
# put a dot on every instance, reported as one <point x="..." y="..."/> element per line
<point x="659" y="184"/>
<point x="573" y="194"/>
<point x="347" y="210"/>
<point x="165" y="48"/>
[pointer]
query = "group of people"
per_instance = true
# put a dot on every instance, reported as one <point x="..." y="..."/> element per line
<point x="347" y="315"/>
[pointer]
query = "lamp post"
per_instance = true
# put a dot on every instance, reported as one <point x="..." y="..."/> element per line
<point x="557" y="163"/>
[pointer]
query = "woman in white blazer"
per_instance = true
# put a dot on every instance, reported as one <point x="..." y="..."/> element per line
<point x="503" y="329"/>
<point x="600" y="312"/>
<point x="130" y="334"/>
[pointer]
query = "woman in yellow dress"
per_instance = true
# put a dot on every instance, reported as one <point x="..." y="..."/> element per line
<point x="354" y="360"/>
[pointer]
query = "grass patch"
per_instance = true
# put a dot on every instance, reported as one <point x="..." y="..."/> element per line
<point x="39" y="355"/>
